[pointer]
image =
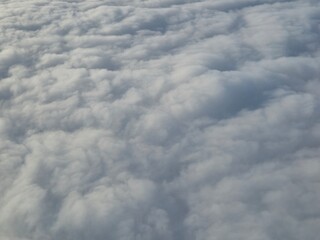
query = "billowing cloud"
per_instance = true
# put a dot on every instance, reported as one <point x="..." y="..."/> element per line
<point x="139" y="120"/>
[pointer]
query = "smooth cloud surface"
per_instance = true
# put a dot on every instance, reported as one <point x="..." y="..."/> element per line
<point x="139" y="120"/>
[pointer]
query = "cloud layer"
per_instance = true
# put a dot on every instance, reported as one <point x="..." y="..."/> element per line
<point x="139" y="120"/>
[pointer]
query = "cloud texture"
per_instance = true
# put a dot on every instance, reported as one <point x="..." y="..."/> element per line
<point x="152" y="120"/>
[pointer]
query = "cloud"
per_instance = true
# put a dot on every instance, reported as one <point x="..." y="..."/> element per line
<point x="159" y="120"/>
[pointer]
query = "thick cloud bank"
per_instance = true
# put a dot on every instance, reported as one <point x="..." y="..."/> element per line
<point x="160" y="119"/>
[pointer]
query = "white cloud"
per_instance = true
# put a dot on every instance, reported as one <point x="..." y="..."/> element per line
<point x="159" y="120"/>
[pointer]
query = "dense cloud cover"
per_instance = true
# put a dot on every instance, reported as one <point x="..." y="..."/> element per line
<point x="160" y="119"/>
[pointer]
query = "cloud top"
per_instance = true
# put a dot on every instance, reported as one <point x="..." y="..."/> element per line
<point x="139" y="120"/>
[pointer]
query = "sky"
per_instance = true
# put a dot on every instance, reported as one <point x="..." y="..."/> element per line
<point x="160" y="119"/>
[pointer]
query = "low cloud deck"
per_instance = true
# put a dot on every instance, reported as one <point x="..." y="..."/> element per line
<point x="152" y="120"/>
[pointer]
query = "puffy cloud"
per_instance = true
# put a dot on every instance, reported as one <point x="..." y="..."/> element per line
<point x="159" y="120"/>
